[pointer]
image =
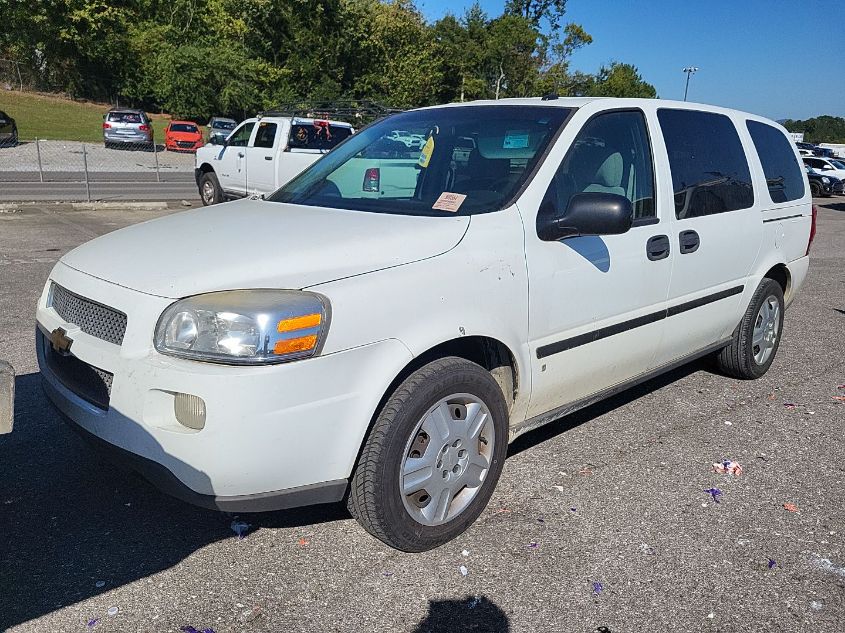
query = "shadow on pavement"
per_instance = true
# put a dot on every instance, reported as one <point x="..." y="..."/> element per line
<point x="470" y="614"/>
<point x="69" y="518"/>
<point x="573" y="420"/>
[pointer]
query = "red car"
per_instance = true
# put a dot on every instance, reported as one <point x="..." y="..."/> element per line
<point x="183" y="136"/>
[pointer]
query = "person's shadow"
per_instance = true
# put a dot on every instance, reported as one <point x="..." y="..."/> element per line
<point x="473" y="613"/>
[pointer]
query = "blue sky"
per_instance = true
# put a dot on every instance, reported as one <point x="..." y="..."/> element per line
<point x="777" y="58"/>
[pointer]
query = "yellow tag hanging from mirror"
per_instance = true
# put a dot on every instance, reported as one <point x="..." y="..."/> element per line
<point x="427" y="151"/>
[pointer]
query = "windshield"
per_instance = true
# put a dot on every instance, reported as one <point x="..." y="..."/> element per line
<point x="473" y="160"/>
<point x="223" y="125"/>
<point x="838" y="164"/>
<point x="183" y="127"/>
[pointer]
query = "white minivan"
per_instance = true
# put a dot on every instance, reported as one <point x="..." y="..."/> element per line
<point x="381" y="335"/>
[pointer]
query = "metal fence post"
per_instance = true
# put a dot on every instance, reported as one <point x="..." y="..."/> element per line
<point x="155" y="153"/>
<point x="38" y="151"/>
<point x="85" y="162"/>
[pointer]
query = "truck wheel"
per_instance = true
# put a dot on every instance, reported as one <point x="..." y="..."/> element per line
<point x="815" y="190"/>
<point x="433" y="457"/>
<point x="756" y="339"/>
<point x="210" y="190"/>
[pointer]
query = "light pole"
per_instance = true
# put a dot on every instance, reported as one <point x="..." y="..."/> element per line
<point x="689" y="70"/>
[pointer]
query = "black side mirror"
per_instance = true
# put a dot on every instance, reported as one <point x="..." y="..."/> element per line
<point x="590" y="214"/>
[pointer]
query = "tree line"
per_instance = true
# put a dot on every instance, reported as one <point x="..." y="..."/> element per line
<point x="199" y="58"/>
<point x="820" y="129"/>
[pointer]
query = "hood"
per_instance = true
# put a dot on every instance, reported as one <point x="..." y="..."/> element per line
<point x="260" y="244"/>
<point x="185" y="136"/>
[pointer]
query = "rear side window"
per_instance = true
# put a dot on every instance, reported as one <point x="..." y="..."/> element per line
<point x="266" y="135"/>
<point x="318" y="135"/>
<point x="783" y="175"/>
<point x="709" y="170"/>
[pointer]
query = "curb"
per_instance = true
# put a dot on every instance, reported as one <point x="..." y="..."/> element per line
<point x="116" y="206"/>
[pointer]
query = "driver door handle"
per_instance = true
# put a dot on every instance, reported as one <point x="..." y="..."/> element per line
<point x="240" y="154"/>
<point x="657" y="247"/>
<point x="689" y="241"/>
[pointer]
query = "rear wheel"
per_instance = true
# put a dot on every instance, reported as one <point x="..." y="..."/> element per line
<point x="757" y="338"/>
<point x="433" y="458"/>
<point x="210" y="190"/>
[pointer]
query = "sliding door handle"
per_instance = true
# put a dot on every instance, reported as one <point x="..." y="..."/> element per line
<point x="689" y="242"/>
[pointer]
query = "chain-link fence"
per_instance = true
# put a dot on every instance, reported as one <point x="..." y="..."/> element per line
<point x="93" y="164"/>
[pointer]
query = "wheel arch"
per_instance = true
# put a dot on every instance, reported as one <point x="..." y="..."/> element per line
<point x="780" y="274"/>
<point x="489" y="352"/>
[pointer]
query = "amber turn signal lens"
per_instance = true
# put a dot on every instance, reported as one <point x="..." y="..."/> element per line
<point x="300" y="322"/>
<point x="293" y="345"/>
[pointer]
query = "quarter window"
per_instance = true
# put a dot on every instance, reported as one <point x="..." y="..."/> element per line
<point x="709" y="170"/>
<point x="241" y="136"/>
<point x="611" y="154"/>
<point x="783" y="175"/>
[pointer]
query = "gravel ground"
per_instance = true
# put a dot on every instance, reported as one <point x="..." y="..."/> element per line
<point x="67" y="156"/>
<point x="600" y="521"/>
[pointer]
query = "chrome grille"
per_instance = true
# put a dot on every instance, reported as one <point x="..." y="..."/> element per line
<point x="91" y="317"/>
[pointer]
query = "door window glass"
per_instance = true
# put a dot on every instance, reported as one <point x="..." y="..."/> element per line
<point x="783" y="175"/>
<point x="611" y="154"/>
<point x="709" y="170"/>
<point x="240" y="137"/>
<point x="266" y="135"/>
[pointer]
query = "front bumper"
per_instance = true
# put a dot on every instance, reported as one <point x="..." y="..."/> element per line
<point x="274" y="436"/>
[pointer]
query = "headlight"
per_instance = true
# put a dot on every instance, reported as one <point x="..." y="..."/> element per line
<point x="245" y="327"/>
<point x="826" y="180"/>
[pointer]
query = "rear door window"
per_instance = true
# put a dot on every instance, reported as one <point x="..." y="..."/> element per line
<point x="320" y="135"/>
<point x="266" y="135"/>
<point x="710" y="172"/>
<point x="783" y="175"/>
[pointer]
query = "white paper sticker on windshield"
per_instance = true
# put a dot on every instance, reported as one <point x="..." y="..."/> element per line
<point x="449" y="202"/>
<point x="515" y="139"/>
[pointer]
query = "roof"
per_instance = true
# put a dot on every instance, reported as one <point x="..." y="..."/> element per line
<point x="184" y="122"/>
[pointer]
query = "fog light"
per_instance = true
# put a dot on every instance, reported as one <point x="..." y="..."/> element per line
<point x="189" y="410"/>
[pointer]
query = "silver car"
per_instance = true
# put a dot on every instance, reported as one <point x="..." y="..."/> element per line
<point x="123" y="126"/>
<point x="220" y="127"/>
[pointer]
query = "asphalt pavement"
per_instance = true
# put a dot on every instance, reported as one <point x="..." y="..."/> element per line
<point x="600" y="521"/>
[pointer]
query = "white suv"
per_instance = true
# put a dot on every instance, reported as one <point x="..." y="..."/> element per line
<point x="381" y="327"/>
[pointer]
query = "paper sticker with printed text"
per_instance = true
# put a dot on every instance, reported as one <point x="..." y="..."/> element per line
<point x="449" y="202"/>
<point x="427" y="151"/>
<point x="515" y="139"/>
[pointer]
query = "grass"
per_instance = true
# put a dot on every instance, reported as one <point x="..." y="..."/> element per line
<point x="57" y="118"/>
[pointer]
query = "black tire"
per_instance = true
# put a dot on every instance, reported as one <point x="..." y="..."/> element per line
<point x="815" y="190"/>
<point x="738" y="359"/>
<point x="375" y="499"/>
<point x="210" y="191"/>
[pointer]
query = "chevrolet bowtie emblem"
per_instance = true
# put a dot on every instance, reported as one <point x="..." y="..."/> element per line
<point x="60" y="341"/>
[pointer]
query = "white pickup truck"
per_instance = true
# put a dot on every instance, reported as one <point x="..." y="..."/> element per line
<point x="262" y="154"/>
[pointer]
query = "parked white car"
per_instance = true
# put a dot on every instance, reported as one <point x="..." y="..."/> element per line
<point x="826" y="166"/>
<point x="384" y="339"/>
<point x="262" y="154"/>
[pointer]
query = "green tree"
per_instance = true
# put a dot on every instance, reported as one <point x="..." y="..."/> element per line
<point x="618" y="80"/>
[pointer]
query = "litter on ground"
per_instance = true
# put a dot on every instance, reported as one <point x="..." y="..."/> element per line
<point x="112" y="610"/>
<point x="93" y="622"/>
<point x="772" y="563"/>
<point x="715" y="493"/>
<point x="790" y="507"/>
<point x="464" y="571"/>
<point x="533" y="545"/>
<point x="240" y="528"/>
<point x="302" y="542"/>
<point x="190" y="629"/>
<point x="727" y="467"/>
<point x="100" y="583"/>
<point x="597" y="587"/>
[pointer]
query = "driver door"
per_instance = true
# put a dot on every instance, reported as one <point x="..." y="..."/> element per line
<point x="596" y="303"/>
<point x="231" y="165"/>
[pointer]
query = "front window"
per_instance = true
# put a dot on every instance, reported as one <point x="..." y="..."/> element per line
<point x="472" y="160"/>
<point x="223" y="125"/>
<point x="240" y="137"/>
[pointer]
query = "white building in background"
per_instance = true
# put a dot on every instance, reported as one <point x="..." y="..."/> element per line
<point x="797" y="137"/>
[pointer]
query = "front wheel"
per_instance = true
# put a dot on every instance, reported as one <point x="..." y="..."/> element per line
<point x="757" y="338"/>
<point x="815" y="190"/>
<point x="210" y="190"/>
<point x="433" y="457"/>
